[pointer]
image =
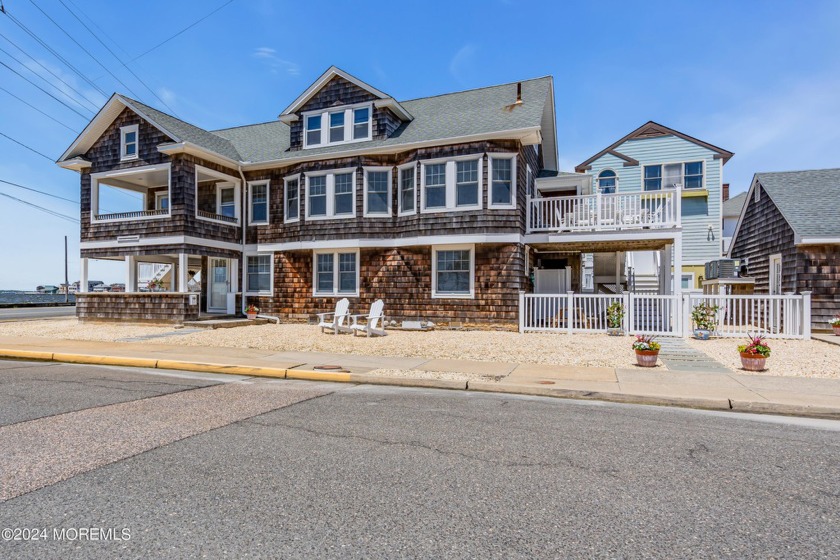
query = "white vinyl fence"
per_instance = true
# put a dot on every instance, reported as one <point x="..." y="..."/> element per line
<point x="783" y="316"/>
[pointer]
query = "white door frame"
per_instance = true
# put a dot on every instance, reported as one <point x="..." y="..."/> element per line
<point x="775" y="282"/>
<point x="210" y="284"/>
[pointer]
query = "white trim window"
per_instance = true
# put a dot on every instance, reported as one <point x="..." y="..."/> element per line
<point x="291" y="199"/>
<point x="226" y="200"/>
<point x="689" y="175"/>
<point x="453" y="271"/>
<point x="129" y="142"/>
<point x="335" y="273"/>
<point x="258" y="274"/>
<point x="607" y="182"/>
<point x="408" y="189"/>
<point x="343" y="125"/>
<point x="331" y="194"/>
<point x="452" y="184"/>
<point x="377" y="194"/>
<point x="501" y="168"/>
<point x="258" y="203"/>
<point x="162" y="200"/>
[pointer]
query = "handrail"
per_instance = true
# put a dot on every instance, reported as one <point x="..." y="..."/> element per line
<point x="214" y="216"/>
<point x="134" y="214"/>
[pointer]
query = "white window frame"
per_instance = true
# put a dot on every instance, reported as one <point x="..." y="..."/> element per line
<point x="513" y="187"/>
<point x="124" y="130"/>
<point x="691" y="280"/>
<point x="270" y="275"/>
<point x="701" y="161"/>
<point x="451" y="176"/>
<point x="772" y="288"/>
<point x="400" y="211"/>
<point x="95" y="179"/>
<point x="614" y="178"/>
<point x="464" y="247"/>
<point x="389" y="212"/>
<point x="330" y="175"/>
<point x="237" y="194"/>
<point x="335" y="253"/>
<point x="219" y="188"/>
<point x="349" y="125"/>
<point x="158" y="196"/>
<point x="251" y="185"/>
<point x="286" y="180"/>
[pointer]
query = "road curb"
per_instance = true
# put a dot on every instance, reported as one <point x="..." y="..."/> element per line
<point x="229" y="369"/>
<point x="104" y="360"/>
<point x="27" y="355"/>
<point x="308" y="375"/>
<point x="785" y="409"/>
<point x="408" y="381"/>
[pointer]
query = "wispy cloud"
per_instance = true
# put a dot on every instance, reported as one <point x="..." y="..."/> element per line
<point x="90" y="99"/>
<point x="462" y="63"/>
<point x="167" y="95"/>
<point x="276" y="64"/>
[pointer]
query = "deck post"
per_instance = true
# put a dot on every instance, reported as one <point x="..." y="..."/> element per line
<point x="628" y="311"/>
<point x="686" y="325"/>
<point x="521" y="311"/>
<point x="528" y="213"/>
<point x="806" y="315"/>
<point x="182" y="272"/>
<point x="83" y="275"/>
<point x="678" y="206"/>
<point x="569" y="303"/>
<point x="130" y="273"/>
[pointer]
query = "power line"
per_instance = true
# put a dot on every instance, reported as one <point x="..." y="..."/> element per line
<point x="82" y="47"/>
<point x="95" y="36"/>
<point x="37" y="109"/>
<point x="42" y="209"/>
<point x="42" y="89"/>
<point x="53" y="51"/>
<point x="102" y="31"/>
<point x="36" y="61"/>
<point x="190" y="26"/>
<point x="31" y="149"/>
<point x="39" y="192"/>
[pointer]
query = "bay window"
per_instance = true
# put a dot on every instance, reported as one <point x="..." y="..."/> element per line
<point x="453" y="271"/>
<point x="335" y="273"/>
<point x="435" y="185"/>
<point x="466" y="183"/>
<point x="455" y="184"/>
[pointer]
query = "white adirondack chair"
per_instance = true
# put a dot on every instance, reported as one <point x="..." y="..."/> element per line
<point x="339" y="318"/>
<point x="375" y="320"/>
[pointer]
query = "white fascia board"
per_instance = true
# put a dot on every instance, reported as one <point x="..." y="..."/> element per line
<point x="74" y="164"/>
<point x="387" y="243"/>
<point x="817" y="240"/>
<point x="167" y="240"/>
<point x="331" y="72"/>
<point x="198" y="151"/>
<point x="615" y="236"/>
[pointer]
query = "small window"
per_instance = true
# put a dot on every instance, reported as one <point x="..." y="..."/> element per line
<point x="317" y="203"/>
<point x="313" y="130"/>
<point x="453" y="272"/>
<point x="501" y="182"/>
<point x="361" y="123"/>
<point x="693" y="175"/>
<point x="407" y="190"/>
<point x="466" y="183"/>
<point x="435" y="185"/>
<point x="227" y="202"/>
<point x="259" y="203"/>
<point x="653" y="177"/>
<point x="344" y="203"/>
<point x="259" y="273"/>
<point x="672" y="175"/>
<point x="128" y="141"/>
<point x="292" y="204"/>
<point x="377" y="193"/>
<point x="337" y="127"/>
<point x="607" y="181"/>
<point x="162" y="201"/>
<point x="336" y="273"/>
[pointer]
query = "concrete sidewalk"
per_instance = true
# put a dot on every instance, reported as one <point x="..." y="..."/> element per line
<point x="708" y="390"/>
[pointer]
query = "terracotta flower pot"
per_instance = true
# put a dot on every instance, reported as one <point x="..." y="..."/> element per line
<point x="752" y="362"/>
<point x="836" y="330"/>
<point x="251" y="315"/>
<point x="647" y="358"/>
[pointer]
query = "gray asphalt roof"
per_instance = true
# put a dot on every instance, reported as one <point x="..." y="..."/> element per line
<point x="809" y="200"/>
<point x="450" y="116"/>
<point x="734" y="205"/>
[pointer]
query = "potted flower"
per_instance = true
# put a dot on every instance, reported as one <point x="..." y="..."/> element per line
<point x="615" y="317"/>
<point x="835" y="324"/>
<point x="755" y="354"/>
<point x="156" y="285"/>
<point x="251" y="311"/>
<point x="704" y="317"/>
<point x="647" y="350"/>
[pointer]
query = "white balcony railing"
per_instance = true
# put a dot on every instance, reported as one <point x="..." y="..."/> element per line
<point x="605" y="212"/>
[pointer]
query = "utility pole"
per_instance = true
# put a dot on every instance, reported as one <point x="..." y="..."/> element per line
<point x="66" y="280"/>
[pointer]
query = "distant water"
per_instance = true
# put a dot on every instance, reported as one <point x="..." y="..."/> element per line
<point x="18" y="297"/>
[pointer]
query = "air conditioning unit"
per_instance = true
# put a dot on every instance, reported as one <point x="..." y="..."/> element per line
<point x="721" y="268"/>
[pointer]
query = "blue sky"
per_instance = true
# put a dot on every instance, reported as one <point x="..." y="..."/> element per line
<point x="760" y="78"/>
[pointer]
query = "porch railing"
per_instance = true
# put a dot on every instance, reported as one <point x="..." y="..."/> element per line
<point x="218" y="217"/>
<point x="782" y="316"/>
<point x="604" y="212"/>
<point x="130" y="215"/>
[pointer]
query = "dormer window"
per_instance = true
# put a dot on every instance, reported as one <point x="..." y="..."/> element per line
<point x="338" y="126"/>
<point x="128" y="142"/>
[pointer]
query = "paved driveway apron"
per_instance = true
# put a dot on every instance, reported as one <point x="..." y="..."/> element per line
<point x="677" y="355"/>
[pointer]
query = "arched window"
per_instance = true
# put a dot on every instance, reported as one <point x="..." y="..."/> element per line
<point x="607" y="181"/>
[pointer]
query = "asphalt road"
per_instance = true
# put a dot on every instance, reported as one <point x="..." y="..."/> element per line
<point x="24" y="313"/>
<point x="378" y="472"/>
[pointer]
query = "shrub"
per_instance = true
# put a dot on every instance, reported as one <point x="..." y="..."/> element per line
<point x="704" y="316"/>
<point x="835" y="322"/>
<point x="252" y="309"/>
<point x="615" y="315"/>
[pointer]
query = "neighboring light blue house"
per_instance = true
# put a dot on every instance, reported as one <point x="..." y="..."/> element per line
<point x="653" y="158"/>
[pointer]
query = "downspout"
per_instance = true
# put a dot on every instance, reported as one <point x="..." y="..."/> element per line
<point x="243" y="267"/>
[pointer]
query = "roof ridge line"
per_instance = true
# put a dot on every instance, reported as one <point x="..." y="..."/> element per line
<point x="476" y="89"/>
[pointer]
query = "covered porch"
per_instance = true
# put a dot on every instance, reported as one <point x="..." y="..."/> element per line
<point x="137" y="193"/>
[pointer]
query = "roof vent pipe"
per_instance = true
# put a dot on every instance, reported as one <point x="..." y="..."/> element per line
<point x="518" y="93"/>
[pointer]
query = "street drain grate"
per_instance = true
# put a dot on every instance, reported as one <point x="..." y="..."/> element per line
<point x="328" y="367"/>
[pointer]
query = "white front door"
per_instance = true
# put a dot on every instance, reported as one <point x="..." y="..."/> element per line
<point x="219" y="286"/>
<point x="775" y="274"/>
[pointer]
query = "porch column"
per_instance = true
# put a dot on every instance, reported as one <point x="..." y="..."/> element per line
<point x="183" y="259"/>
<point x="130" y="273"/>
<point x="617" y="270"/>
<point x="678" y="258"/>
<point x="234" y="275"/>
<point x="665" y="270"/>
<point x="83" y="275"/>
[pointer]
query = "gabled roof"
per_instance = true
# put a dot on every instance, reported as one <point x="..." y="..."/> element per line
<point x="652" y="130"/>
<point x="808" y="200"/>
<point x="325" y="78"/>
<point x="732" y="207"/>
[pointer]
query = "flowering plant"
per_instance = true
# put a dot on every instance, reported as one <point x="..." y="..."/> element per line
<point x="705" y="316"/>
<point x="252" y="309"/>
<point x="156" y="284"/>
<point x="835" y="322"/>
<point x="756" y="347"/>
<point x="646" y="343"/>
<point x="615" y="315"/>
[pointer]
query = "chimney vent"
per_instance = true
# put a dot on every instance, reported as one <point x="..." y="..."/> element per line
<point x="519" y="93"/>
